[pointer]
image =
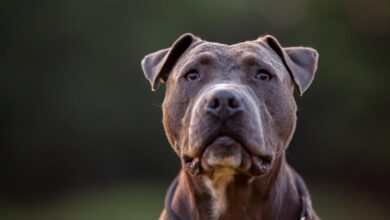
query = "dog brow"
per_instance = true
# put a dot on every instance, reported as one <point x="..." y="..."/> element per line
<point x="204" y="58"/>
<point x="250" y="60"/>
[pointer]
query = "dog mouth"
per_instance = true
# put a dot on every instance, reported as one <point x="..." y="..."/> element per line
<point x="227" y="151"/>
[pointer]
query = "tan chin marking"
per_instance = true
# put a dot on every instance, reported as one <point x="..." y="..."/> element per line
<point x="232" y="161"/>
<point x="217" y="184"/>
<point x="221" y="157"/>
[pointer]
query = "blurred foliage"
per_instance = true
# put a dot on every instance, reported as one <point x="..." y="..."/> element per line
<point x="77" y="112"/>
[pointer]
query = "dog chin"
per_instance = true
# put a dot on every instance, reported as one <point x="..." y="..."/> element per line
<point x="227" y="154"/>
<point x="224" y="152"/>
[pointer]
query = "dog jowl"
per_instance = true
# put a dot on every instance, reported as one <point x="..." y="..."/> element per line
<point x="229" y="113"/>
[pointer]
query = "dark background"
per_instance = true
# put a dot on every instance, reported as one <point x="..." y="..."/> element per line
<point x="81" y="130"/>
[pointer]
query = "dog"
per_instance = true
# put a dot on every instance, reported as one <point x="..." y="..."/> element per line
<point x="229" y="113"/>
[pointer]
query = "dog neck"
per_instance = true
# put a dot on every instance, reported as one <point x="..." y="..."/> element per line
<point x="231" y="196"/>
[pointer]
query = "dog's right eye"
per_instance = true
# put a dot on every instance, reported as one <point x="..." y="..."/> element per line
<point x="263" y="75"/>
<point x="192" y="75"/>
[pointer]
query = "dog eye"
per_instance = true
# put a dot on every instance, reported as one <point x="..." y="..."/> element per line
<point x="263" y="75"/>
<point x="192" y="75"/>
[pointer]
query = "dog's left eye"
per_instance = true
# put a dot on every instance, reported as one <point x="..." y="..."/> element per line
<point x="263" y="75"/>
<point x="192" y="75"/>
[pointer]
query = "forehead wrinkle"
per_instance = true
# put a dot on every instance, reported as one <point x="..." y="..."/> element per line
<point x="221" y="53"/>
<point x="215" y="48"/>
<point x="256" y="49"/>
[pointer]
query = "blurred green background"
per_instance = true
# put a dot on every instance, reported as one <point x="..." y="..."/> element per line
<point x="82" y="135"/>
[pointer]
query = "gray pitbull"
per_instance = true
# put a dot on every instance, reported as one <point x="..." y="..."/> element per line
<point x="229" y="113"/>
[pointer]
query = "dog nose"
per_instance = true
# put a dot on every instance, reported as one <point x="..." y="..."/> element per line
<point x="224" y="104"/>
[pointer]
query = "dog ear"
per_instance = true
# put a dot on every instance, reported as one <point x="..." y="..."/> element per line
<point x="157" y="65"/>
<point x="301" y="62"/>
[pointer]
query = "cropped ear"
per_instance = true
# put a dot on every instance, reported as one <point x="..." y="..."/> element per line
<point x="301" y="62"/>
<point x="157" y="65"/>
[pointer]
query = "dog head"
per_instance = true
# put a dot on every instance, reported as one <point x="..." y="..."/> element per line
<point x="230" y="107"/>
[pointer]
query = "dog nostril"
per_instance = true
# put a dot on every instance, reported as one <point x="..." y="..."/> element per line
<point x="214" y="104"/>
<point x="233" y="103"/>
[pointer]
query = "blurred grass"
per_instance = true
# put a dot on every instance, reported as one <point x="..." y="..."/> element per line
<point x="125" y="201"/>
<point x="144" y="200"/>
<point x="345" y="202"/>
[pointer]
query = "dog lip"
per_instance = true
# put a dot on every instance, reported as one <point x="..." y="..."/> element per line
<point x="260" y="163"/>
<point x="223" y="138"/>
<point x="215" y="138"/>
<point x="235" y="138"/>
<point x="198" y="151"/>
